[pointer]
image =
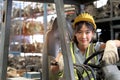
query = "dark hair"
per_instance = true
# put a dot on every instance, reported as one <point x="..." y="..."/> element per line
<point x="79" y="25"/>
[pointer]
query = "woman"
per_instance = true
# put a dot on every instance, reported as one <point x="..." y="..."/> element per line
<point x="82" y="47"/>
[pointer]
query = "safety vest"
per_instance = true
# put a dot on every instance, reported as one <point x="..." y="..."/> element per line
<point x="90" y="50"/>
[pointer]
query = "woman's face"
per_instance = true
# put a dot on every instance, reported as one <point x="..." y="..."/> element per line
<point x="84" y="36"/>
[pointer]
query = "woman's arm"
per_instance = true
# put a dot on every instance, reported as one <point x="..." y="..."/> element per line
<point x="110" y="55"/>
<point x="117" y="43"/>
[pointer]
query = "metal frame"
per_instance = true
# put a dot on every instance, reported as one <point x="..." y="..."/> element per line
<point x="5" y="28"/>
<point x="5" y="31"/>
<point x="68" y="65"/>
<point x="76" y="2"/>
<point x="65" y="48"/>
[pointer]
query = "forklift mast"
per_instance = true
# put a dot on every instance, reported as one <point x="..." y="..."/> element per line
<point x="64" y="38"/>
<point x="5" y="30"/>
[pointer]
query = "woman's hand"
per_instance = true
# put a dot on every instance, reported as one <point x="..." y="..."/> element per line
<point x="54" y="68"/>
<point x="110" y="55"/>
<point x="57" y="65"/>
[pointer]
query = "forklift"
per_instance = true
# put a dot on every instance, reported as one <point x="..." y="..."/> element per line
<point x="109" y="74"/>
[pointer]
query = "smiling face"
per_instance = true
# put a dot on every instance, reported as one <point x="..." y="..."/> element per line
<point x="84" y="33"/>
<point x="84" y="36"/>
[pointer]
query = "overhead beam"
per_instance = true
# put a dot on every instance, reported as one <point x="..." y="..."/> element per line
<point x="75" y="2"/>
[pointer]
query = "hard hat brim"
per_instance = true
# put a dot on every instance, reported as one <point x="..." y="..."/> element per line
<point x="84" y="19"/>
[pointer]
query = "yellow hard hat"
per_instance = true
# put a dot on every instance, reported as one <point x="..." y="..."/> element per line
<point x="84" y="17"/>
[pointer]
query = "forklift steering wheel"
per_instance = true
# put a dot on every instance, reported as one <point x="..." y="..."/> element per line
<point x="92" y="56"/>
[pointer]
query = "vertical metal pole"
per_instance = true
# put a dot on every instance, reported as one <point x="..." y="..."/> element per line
<point x="45" y="17"/>
<point x="111" y="15"/>
<point x="45" y="69"/>
<point x="4" y="45"/>
<point x="68" y="65"/>
<point x="1" y="9"/>
<point x="82" y="8"/>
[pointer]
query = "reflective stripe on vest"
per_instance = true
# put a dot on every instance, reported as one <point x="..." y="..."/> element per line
<point x="74" y="60"/>
<point x="87" y="55"/>
<point x="91" y="50"/>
